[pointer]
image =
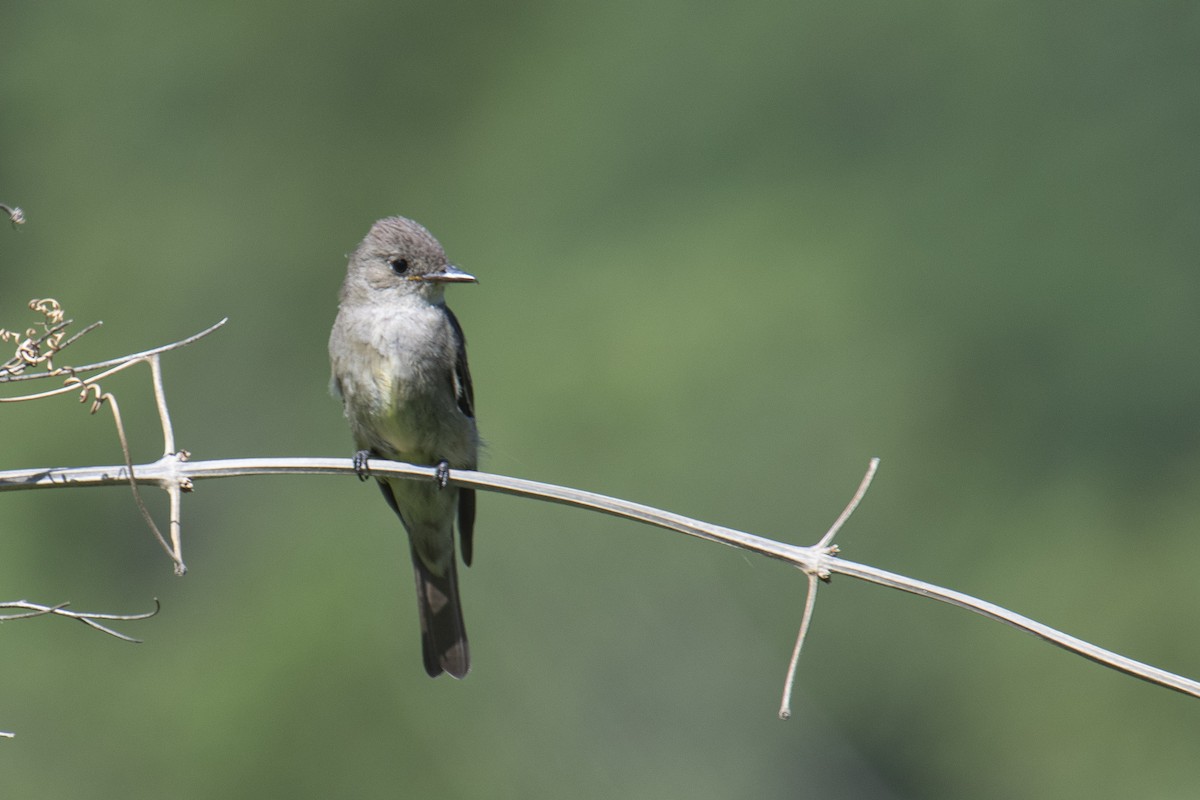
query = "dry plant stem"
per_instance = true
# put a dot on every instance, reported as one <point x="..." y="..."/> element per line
<point x="173" y="488"/>
<point x="15" y="215"/>
<point x="34" y="348"/>
<point x="7" y="370"/>
<point x="173" y="552"/>
<point x="73" y="382"/>
<point x="79" y="335"/>
<point x="810" y="598"/>
<point x="810" y="602"/>
<point x="810" y="559"/>
<point x="88" y="618"/>
<point x="90" y="386"/>
<point x="112" y="362"/>
<point x="160" y="400"/>
<point x="861" y="492"/>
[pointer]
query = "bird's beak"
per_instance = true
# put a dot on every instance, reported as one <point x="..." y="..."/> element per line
<point x="449" y="274"/>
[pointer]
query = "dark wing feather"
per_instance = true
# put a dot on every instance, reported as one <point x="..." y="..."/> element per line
<point x="466" y="523"/>
<point x="464" y="391"/>
<point x="465" y="396"/>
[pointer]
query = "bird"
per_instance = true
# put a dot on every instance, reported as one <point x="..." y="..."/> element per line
<point x="398" y="360"/>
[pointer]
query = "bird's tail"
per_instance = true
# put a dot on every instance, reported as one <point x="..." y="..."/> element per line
<point x="443" y="635"/>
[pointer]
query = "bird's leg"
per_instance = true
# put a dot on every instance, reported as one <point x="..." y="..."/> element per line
<point x="360" y="464"/>
<point x="443" y="473"/>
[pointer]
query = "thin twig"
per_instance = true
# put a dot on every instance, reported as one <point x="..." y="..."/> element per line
<point x="34" y="348"/>
<point x="175" y="488"/>
<point x="134" y="357"/>
<point x="863" y="485"/>
<point x="108" y="399"/>
<point x="160" y="400"/>
<point x="90" y="386"/>
<point x="810" y="602"/>
<point x="809" y="559"/>
<point x="89" y="618"/>
<point x="826" y="546"/>
<point x="15" y="215"/>
<point x="76" y="337"/>
<point x="73" y="381"/>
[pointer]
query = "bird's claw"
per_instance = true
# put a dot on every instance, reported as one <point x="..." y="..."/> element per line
<point x="443" y="474"/>
<point x="360" y="464"/>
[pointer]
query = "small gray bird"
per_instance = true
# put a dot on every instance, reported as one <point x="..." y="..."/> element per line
<point x="399" y="364"/>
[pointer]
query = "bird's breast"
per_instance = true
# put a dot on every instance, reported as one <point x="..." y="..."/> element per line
<point x="396" y="380"/>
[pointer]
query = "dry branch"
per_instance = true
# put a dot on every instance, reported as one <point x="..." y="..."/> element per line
<point x="175" y="474"/>
<point x="817" y="560"/>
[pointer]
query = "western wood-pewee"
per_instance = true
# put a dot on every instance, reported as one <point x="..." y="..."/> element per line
<point x="399" y="364"/>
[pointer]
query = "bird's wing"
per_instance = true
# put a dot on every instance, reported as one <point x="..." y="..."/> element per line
<point x="464" y="393"/>
<point x="463" y="390"/>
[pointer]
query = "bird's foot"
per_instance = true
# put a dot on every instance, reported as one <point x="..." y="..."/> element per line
<point x="360" y="464"/>
<point x="443" y="474"/>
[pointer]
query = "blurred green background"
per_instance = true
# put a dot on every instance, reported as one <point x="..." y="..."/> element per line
<point x="726" y="254"/>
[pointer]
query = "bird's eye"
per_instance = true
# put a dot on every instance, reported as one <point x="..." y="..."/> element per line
<point x="398" y="265"/>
